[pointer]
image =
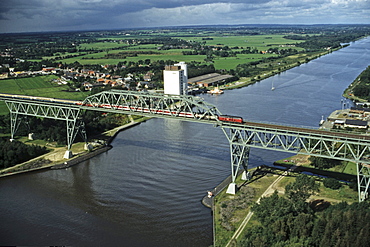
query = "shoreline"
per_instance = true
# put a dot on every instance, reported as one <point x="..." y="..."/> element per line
<point x="247" y="81"/>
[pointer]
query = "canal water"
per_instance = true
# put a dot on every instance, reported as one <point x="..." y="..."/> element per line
<point x="147" y="190"/>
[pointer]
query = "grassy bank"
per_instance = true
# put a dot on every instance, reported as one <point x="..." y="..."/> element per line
<point x="344" y="171"/>
<point x="256" y="187"/>
<point x="237" y="206"/>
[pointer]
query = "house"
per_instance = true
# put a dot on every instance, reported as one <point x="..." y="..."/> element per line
<point x="362" y="111"/>
<point x="350" y="123"/>
<point x="129" y="77"/>
<point x="48" y="69"/>
<point x="143" y="84"/>
<point x="87" y="85"/>
<point x="148" y="76"/>
<point x="204" y="84"/>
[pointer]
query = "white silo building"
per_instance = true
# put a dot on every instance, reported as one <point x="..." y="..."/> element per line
<point x="176" y="79"/>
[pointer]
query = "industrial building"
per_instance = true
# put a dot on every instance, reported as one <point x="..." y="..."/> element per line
<point x="176" y="79"/>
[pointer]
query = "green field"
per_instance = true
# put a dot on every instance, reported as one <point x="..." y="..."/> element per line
<point x="102" y="45"/>
<point x="37" y="86"/>
<point x="260" y="42"/>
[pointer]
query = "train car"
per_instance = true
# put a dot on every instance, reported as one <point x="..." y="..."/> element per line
<point x="43" y="99"/>
<point x="232" y="119"/>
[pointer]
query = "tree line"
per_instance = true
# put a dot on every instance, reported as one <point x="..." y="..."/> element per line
<point x="15" y="152"/>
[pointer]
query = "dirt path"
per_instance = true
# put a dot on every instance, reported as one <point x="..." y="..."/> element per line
<point x="270" y="190"/>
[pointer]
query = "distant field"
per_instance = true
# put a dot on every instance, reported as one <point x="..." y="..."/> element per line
<point x="261" y="42"/>
<point x="175" y="56"/>
<point x="232" y="62"/>
<point x="37" y="86"/>
<point x="102" y="45"/>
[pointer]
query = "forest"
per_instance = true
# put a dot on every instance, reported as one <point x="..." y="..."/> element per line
<point x="15" y="152"/>
<point x="292" y="221"/>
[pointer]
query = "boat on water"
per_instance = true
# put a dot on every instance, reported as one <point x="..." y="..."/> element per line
<point x="216" y="90"/>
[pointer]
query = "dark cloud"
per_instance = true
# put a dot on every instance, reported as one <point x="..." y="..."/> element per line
<point x="39" y="15"/>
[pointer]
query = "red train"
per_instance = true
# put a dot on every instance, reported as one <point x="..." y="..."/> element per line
<point x="232" y="119"/>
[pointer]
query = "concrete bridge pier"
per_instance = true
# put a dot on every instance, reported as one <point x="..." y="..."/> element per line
<point x="68" y="154"/>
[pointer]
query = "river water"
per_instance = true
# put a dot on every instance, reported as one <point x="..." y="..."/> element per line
<point x="147" y="190"/>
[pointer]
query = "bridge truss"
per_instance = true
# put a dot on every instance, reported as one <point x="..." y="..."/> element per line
<point x="241" y="137"/>
<point x="320" y="143"/>
<point x="187" y="107"/>
<point x="53" y="110"/>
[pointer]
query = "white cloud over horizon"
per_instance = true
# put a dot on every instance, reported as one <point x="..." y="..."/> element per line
<point x="63" y="15"/>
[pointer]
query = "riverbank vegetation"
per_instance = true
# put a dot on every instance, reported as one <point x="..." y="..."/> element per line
<point x="359" y="90"/>
<point x="327" y="191"/>
<point x="290" y="220"/>
<point x="15" y="152"/>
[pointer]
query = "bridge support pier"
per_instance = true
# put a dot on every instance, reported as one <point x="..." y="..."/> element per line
<point x="74" y="126"/>
<point x="68" y="154"/>
<point x="14" y="124"/>
<point x="239" y="153"/>
<point x="363" y="181"/>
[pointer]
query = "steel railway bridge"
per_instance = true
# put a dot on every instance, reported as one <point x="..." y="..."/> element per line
<point x="241" y="136"/>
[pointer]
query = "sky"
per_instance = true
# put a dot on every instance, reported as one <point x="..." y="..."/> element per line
<point x="71" y="15"/>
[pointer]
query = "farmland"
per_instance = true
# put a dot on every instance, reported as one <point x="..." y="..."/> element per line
<point x="39" y="86"/>
<point x="100" y="50"/>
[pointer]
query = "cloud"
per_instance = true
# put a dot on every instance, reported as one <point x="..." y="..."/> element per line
<point x="39" y="15"/>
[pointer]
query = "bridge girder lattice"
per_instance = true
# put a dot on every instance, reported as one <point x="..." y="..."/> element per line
<point x="325" y="144"/>
<point x="57" y="111"/>
<point x="189" y="108"/>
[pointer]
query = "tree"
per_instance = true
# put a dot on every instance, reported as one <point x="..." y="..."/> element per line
<point x="323" y="163"/>
<point x="300" y="190"/>
<point x="332" y="183"/>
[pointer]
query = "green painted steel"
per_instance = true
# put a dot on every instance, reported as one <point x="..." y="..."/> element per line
<point x="183" y="107"/>
<point x="241" y="137"/>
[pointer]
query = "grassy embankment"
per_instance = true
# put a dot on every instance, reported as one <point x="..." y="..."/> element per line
<point x="348" y="92"/>
<point x="258" y="186"/>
